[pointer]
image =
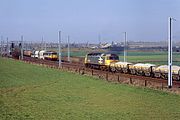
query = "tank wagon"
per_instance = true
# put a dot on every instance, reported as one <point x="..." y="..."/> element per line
<point x="100" y="60"/>
<point x="36" y="53"/>
<point x="41" y="54"/>
<point x="146" y="69"/>
<point x="122" y="67"/>
<point x="135" y="69"/>
<point x="27" y="53"/>
<point x="162" y="72"/>
<point x="142" y="69"/>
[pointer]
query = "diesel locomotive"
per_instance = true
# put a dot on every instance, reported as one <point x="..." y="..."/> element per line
<point x="110" y="62"/>
<point x="100" y="60"/>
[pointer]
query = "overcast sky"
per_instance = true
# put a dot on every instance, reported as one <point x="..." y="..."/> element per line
<point x="84" y="20"/>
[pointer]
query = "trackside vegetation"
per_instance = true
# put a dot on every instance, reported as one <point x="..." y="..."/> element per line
<point x="34" y="92"/>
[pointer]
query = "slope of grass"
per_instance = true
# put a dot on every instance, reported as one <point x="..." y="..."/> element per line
<point x="158" y="58"/>
<point x="33" y="92"/>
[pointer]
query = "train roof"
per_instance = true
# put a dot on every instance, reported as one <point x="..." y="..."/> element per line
<point x="98" y="53"/>
<point x="94" y="53"/>
<point x="50" y="52"/>
<point x="123" y="63"/>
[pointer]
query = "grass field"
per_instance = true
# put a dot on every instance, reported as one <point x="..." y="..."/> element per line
<point x="158" y="58"/>
<point x="33" y="92"/>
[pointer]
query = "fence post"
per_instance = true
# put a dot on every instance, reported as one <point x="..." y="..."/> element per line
<point x="145" y="83"/>
<point x="107" y="76"/>
<point x="92" y="72"/>
<point x="79" y="70"/>
<point x="130" y="80"/>
<point x="83" y="72"/>
<point x="162" y="86"/>
<point x="118" y="79"/>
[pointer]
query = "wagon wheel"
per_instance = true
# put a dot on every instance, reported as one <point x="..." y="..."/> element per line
<point x="133" y="71"/>
<point x="118" y="69"/>
<point x="176" y="78"/>
<point x="113" y="69"/>
<point x="125" y="70"/>
<point x="164" y="76"/>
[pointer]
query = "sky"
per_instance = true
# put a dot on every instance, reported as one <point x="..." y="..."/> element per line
<point x="85" y="20"/>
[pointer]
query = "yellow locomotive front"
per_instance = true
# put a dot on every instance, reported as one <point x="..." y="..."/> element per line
<point x="54" y="56"/>
<point x="100" y="60"/>
<point x="111" y="58"/>
<point x="51" y="55"/>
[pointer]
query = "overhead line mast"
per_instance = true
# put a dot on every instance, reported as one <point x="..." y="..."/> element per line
<point x="170" y="52"/>
<point x="22" y="47"/>
<point x="68" y="38"/>
<point x="59" y="36"/>
<point x="125" y="42"/>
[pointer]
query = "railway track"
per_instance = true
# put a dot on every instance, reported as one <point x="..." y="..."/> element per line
<point x="109" y="76"/>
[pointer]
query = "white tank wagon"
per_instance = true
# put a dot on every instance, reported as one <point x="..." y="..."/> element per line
<point x="122" y="67"/>
<point x="36" y="54"/>
<point x="162" y="72"/>
<point x="142" y="69"/>
<point x="41" y="54"/>
<point x="33" y="54"/>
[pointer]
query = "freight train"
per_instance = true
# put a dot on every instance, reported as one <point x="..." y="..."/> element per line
<point x="110" y="62"/>
<point x="42" y="54"/>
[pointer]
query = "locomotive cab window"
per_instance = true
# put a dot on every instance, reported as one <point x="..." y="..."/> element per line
<point x="54" y="53"/>
<point x="113" y="57"/>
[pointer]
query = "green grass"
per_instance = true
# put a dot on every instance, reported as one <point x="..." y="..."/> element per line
<point x="75" y="53"/>
<point x="158" y="58"/>
<point x="33" y="92"/>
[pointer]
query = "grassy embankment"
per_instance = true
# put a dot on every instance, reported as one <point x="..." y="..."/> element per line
<point x="33" y="92"/>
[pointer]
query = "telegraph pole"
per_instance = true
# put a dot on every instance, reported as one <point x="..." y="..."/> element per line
<point x="68" y="38"/>
<point x="59" y="36"/>
<point x="125" y="40"/>
<point x="22" y="47"/>
<point x="169" y="52"/>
